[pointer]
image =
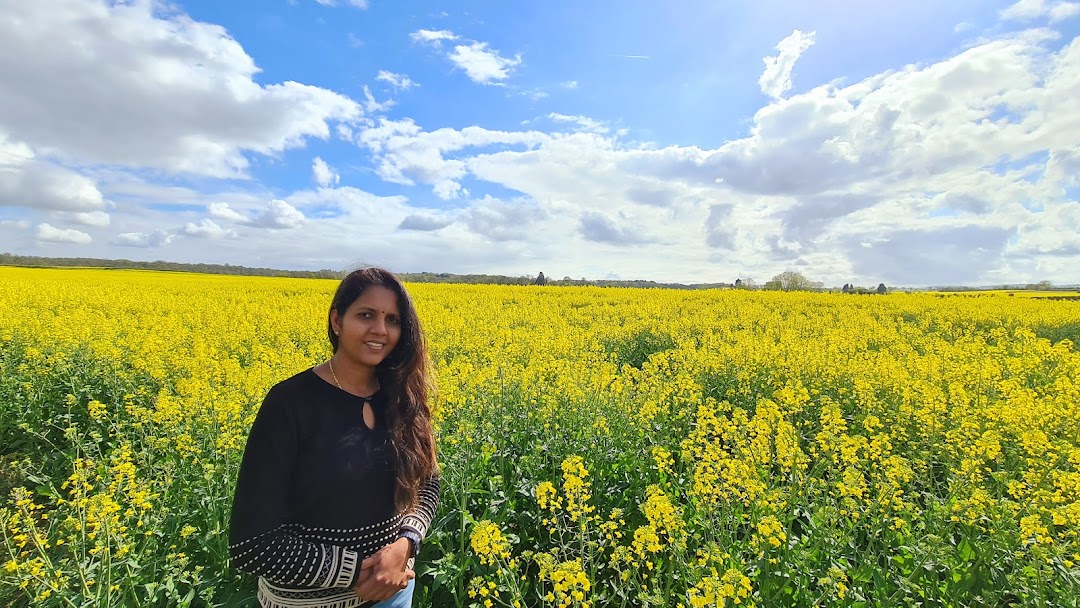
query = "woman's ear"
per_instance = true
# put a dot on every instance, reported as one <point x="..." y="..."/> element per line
<point x="335" y="322"/>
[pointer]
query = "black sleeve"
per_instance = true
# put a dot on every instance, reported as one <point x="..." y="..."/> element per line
<point x="260" y="539"/>
<point x="420" y="517"/>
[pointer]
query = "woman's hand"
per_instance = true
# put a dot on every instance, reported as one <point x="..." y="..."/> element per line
<point x="384" y="573"/>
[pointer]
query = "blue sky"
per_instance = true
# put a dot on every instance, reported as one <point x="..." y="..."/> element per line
<point x="914" y="143"/>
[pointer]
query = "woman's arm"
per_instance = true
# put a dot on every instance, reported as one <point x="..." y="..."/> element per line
<point x="420" y="517"/>
<point x="261" y="541"/>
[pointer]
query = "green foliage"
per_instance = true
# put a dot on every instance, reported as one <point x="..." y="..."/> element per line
<point x="1055" y="334"/>
<point x="791" y="281"/>
<point x="634" y="350"/>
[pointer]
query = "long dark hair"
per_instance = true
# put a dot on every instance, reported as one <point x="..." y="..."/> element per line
<point x="403" y="378"/>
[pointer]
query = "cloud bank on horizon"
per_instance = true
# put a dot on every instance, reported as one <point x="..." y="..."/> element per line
<point x="905" y="143"/>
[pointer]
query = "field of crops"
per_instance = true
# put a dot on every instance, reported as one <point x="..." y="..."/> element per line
<point x="599" y="447"/>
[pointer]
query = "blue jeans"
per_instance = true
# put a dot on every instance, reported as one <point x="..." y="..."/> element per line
<point x="401" y="599"/>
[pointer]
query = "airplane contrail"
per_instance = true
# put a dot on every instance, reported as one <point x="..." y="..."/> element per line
<point x="631" y="56"/>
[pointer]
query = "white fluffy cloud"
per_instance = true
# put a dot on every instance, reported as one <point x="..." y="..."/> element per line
<point x="481" y="63"/>
<point x="131" y="83"/>
<point x="98" y="219"/>
<point x="279" y="215"/>
<point x="324" y="175"/>
<point x="776" y="79"/>
<point x="996" y="102"/>
<point x="406" y="154"/>
<point x="223" y="211"/>
<point x="400" y="82"/>
<point x="584" y="122"/>
<point x="432" y="36"/>
<point x="145" y="240"/>
<point x="26" y="181"/>
<point x="208" y="229"/>
<point x="49" y="233"/>
<point x="1030" y="10"/>
<point x="46" y="186"/>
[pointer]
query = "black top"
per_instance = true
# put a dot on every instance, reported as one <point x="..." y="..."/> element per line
<point x="315" y="491"/>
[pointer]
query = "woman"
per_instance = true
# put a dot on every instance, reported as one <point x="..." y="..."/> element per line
<point x="339" y="481"/>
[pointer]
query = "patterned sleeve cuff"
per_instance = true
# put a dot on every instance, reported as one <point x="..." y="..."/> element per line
<point x="414" y="524"/>
<point x="348" y="569"/>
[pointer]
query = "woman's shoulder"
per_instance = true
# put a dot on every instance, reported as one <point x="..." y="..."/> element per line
<point x="293" y="390"/>
<point x="301" y="378"/>
<point x="299" y="383"/>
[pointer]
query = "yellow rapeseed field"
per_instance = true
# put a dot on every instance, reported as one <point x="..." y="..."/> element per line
<point x="599" y="447"/>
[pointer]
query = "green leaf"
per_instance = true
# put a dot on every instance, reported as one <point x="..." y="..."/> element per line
<point x="966" y="550"/>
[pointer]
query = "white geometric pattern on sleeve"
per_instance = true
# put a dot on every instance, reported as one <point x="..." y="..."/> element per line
<point x="420" y="518"/>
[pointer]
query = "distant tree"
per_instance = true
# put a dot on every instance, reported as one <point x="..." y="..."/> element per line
<point x="745" y="284"/>
<point x="540" y="279"/>
<point x="881" y="288"/>
<point x="792" y="281"/>
<point x="847" y="288"/>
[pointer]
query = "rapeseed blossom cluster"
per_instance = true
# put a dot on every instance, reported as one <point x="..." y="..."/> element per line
<point x="770" y="532"/>
<point x="719" y="590"/>
<point x="547" y="496"/>
<point x="569" y="585"/>
<point x="665" y="526"/>
<point x="576" y="488"/>
<point x="663" y="460"/>
<point x="488" y="542"/>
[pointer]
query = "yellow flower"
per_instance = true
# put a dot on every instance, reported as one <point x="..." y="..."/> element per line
<point x="488" y="542"/>
<point x="663" y="460"/>
<point x="547" y="496"/>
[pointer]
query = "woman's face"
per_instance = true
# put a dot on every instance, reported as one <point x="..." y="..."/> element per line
<point x="370" y="328"/>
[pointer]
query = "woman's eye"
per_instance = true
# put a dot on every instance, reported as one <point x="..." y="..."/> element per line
<point x="393" y="320"/>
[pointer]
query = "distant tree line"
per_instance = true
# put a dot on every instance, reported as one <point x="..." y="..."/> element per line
<point x="791" y="281"/>
<point x="471" y="279"/>
<point x="7" y="259"/>
<point x="583" y="282"/>
<point x="794" y="281"/>
<point x="785" y="281"/>
<point x="1040" y="286"/>
<point x="849" y="288"/>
